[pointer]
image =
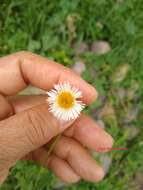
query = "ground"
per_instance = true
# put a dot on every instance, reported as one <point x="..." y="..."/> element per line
<point x="69" y="32"/>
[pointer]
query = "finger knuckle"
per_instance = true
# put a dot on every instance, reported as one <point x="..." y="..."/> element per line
<point x="70" y="144"/>
<point x="36" y="131"/>
<point x="100" y="175"/>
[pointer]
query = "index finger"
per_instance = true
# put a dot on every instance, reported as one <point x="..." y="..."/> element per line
<point x="23" y="68"/>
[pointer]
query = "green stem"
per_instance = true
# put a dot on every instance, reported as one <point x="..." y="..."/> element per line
<point x="52" y="145"/>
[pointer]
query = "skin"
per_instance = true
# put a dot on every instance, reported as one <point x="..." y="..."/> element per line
<point x="26" y="124"/>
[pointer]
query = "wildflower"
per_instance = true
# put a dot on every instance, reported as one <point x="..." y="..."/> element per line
<point x="64" y="101"/>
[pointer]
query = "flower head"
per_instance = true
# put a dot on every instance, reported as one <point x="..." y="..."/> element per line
<point x="64" y="101"/>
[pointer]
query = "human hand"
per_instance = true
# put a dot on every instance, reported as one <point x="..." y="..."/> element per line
<point x="26" y="124"/>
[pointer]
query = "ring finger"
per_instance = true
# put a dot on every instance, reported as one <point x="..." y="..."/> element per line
<point x="69" y="161"/>
<point x="57" y="165"/>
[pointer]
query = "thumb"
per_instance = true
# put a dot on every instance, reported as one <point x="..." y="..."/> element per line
<point x="27" y="131"/>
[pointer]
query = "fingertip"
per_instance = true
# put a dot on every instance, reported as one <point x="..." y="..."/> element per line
<point x="88" y="91"/>
<point x="90" y="94"/>
<point x="73" y="179"/>
<point x="107" y="144"/>
<point x="110" y="141"/>
<point x="99" y="174"/>
<point x="63" y="170"/>
<point x="95" y="174"/>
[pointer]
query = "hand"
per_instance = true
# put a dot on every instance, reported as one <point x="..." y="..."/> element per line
<point x="26" y="124"/>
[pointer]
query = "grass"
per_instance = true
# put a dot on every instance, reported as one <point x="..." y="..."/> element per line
<point x="50" y="28"/>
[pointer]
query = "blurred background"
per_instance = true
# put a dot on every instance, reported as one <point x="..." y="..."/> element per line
<point x="102" y="41"/>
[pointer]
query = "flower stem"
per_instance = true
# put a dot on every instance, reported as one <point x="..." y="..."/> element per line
<point x="49" y="147"/>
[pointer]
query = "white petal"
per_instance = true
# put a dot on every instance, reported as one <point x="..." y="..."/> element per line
<point x="61" y="113"/>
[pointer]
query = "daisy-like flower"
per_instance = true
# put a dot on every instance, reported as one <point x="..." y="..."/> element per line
<point x="64" y="101"/>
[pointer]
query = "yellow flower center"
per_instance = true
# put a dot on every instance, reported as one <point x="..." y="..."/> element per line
<point x="65" y="100"/>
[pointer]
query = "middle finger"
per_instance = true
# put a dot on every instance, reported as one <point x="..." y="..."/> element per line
<point x="84" y="130"/>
